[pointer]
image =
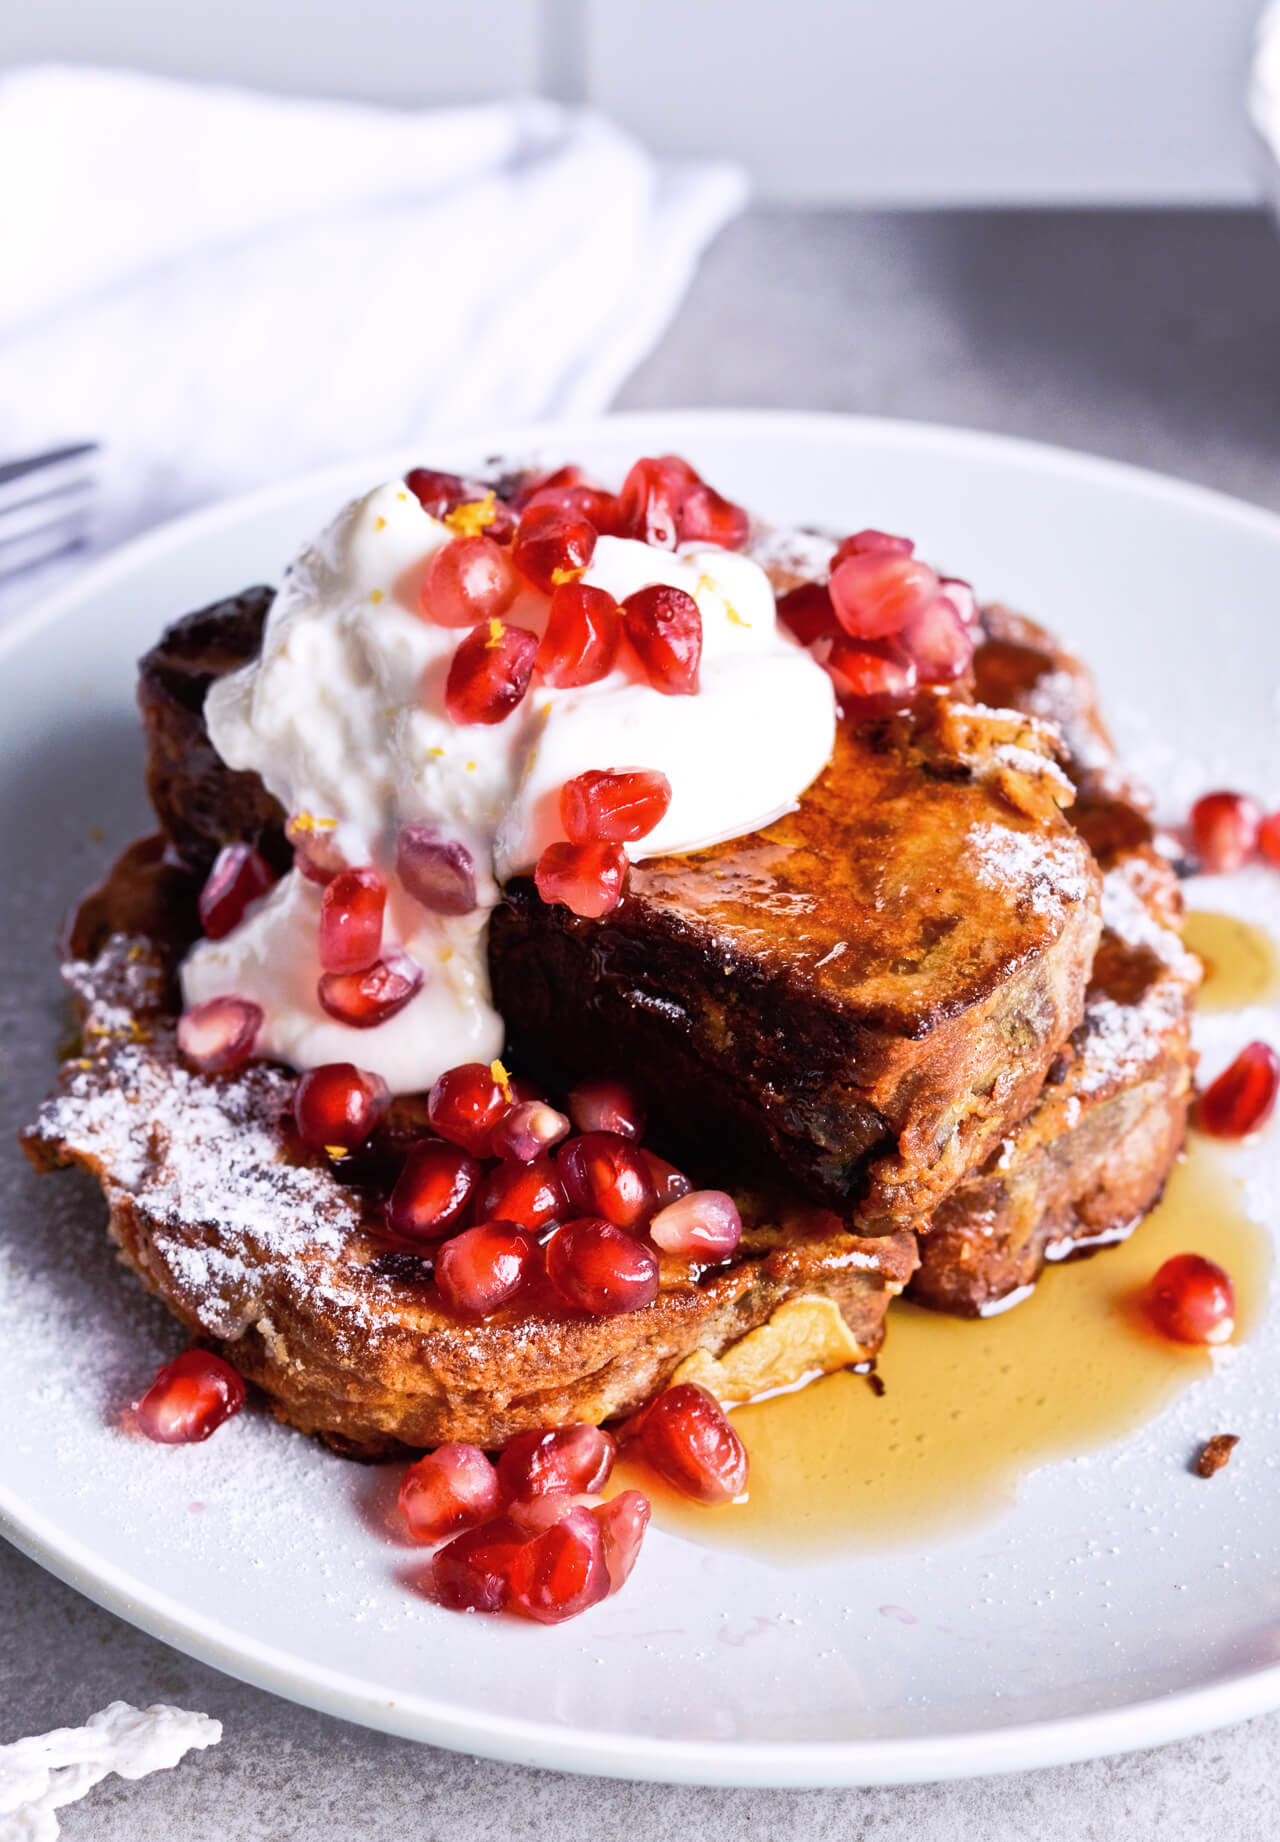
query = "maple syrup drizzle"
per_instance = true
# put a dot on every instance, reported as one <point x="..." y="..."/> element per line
<point x="1241" y="964"/>
<point x="969" y="1406"/>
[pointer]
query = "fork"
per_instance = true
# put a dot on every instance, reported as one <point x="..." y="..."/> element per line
<point x="45" y="506"/>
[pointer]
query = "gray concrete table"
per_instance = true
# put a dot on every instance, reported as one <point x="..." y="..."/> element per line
<point x="1151" y="337"/>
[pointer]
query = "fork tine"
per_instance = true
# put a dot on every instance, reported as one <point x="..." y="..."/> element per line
<point x="50" y="494"/>
<point x="20" y="554"/>
<point x="45" y="505"/>
<point x="33" y="463"/>
<point x="43" y="478"/>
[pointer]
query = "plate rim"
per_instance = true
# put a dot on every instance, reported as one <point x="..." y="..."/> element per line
<point x="791" y="1764"/>
<point x="782" y="1765"/>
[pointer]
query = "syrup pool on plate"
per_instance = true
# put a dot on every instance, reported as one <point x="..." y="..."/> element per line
<point x="1241" y="965"/>
<point x="969" y="1406"/>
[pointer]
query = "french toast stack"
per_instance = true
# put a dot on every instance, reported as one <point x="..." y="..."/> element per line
<point x="932" y="1027"/>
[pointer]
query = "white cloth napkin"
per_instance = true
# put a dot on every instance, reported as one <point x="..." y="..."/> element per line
<point x="227" y="288"/>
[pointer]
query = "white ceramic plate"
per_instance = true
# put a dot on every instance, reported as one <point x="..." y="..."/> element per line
<point x="1114" y="1604"/>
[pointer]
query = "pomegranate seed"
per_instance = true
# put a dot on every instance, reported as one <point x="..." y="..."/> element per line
<point x="704" y="1225"/>
<point x="467" y="1102"/>
<point x="1269" y="837"/>
<point x="601" y="1269"/>
<point x="938" y="643"/>
<point x="189" y="1399"/>
<point x="1192" y="1300"/>
<point x="962" y="598"/>
<point x="706" y="517"/>
<point x="552" y="547"/>
<point x="455" y="1487"/>
<point x="872" y="676"/>
<point x="669" y="1183"/>
<point x="623" y="1521"/>
<point x="607" y="1104"/>
<point x="614" y="808"/>
<point x="437" y="872"/>
<point x="433" y="1191"/>
<point x="530" y="1128"/>
<point x="472" y="1572"/>
<point x="561" y="1572"/>
<point x="490" y="672"/>
<point x="1243" y="1096"/>
<point x="808" y="612"/>
<point x="469" y="579"/>
<point x="565" y="1458"/>
<point x="351" y="911"/>
<point x="534" y="1514"/>
<point x="665" y="628"/>
<point x="438" y="493"/>
<point x="366" y="999"/>
<point x="605" y="1174"/>
<point x="336" y="1107"/>
<point x="580" y="644"/>
<point x="577" y="500"/>
<point x="568" y="475"/>
<point x="587" y="879"/>
<point x="484" y="1266"/>
<point x="219" y="1034"/>
<point x="1224" y="827"/>
<point x="872" y="543"/>
<point x="875" y="595"/>
<point x="315" y="852"/>
<point x="650" y="500"/>
<point x="530" y="1194"/>
<point x="688" y="1440"/>
<point x="442" y="493"/>
<point x="239" y="876"/>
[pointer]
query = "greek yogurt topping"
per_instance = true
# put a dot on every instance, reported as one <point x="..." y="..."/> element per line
<point x="343" y="717"/>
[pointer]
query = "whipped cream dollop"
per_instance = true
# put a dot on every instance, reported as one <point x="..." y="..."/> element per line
<point x="342" y="716"/>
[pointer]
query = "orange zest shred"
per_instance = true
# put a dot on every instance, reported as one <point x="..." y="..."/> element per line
<point x="496" y="631"/>
<point x="308" y="822"/>
<point x="503" y="1079"/>
<point x="475" y="516"/>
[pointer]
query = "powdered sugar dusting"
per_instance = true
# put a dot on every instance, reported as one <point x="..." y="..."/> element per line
<point x="1055" y="698"/>
<point x="203" y="1162"/>
<point x="1050" y="871"/>
<point x="789" y="556"/>
<point x="1130" y="920"/>
<point x="1123" y="1040"/>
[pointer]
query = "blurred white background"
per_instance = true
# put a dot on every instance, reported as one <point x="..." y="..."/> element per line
<point x="871" y="102"/>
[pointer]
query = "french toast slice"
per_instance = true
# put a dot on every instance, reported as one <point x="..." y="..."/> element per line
<point x="857" y="1001"/>
<point x="863" y="997"/>
<point x="1093" y="1156"/>
<point x="201" y="803"/>
<point x="259" y="1248"/>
